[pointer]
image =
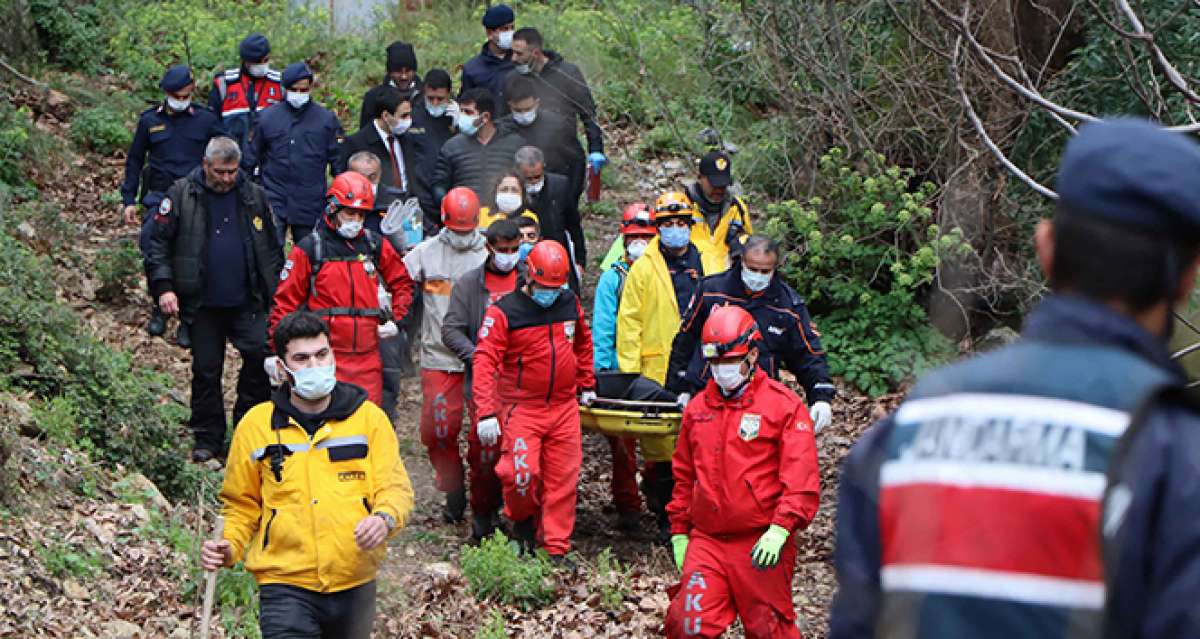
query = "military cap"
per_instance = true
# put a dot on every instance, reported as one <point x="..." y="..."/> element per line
<point x="176" y="78"/>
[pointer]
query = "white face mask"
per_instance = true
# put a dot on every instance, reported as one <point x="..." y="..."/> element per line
<point x="505" y="40"/>
<point x="728" y="376"/>
<point x="461" y="241"/>
<point x="524" y="69"/>
<point x="508" y="202"/>
<point x="435" y="111"/>
<point x="178" y="105"/>
<point x="636" y="248"/>
<point x="297" y="99"/>
<point x="257" y="70"/>
<point x="525" y="118"/>
<point x="505" y="262"/>
<point x="401" y="126"/>
<point x="756" y="282"/>
<point x="350" y="230"/>
<point x="533" y="188"/>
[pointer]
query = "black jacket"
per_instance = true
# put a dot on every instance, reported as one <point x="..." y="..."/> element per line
<point x="488" y="72"/>
<point x="427" y="135"/>
<point x="463" y="161"/>
<point x="367" y="139"/>
<point x="789" y="335"/>
<point x="562" y="89"/>
<point x="555" y="135"/>
<point x="558" y="215"/>
<point x="366" y="114"/>
<point x="175" y="260"/>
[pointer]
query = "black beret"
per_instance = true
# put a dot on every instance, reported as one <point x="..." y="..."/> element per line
<point x="176" y="78"/>
<point x="498" y="16"/>
<point x="254" y="47"/>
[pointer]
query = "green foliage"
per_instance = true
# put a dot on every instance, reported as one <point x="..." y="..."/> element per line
<point x="121" y="410"/>
<point x="14" y="144"/>
<point x="63" y="559"/>
<point x="69" y="31"/>
<point x="612" y="580"/>
<point x="57" y="418"/>
<point x="100" y="129"/>
<point x="237" y="599"/>
<point x="496" y="571"/>
<point x="860" y="255"/>
<point x="494" y="628"/>
<point x="118" y="267"/>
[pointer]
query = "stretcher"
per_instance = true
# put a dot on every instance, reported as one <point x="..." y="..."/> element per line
<point x="654" y="424"/>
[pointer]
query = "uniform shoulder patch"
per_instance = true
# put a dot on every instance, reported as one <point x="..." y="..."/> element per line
<point x="748" y="428"/>
<point x="158" y="127"/>
<point x="569" y="329"/>
<point x="164" y="211"/>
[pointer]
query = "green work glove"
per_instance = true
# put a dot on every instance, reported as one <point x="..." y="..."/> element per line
<point x="766" y="550"/>
<point x="679" y="548"/>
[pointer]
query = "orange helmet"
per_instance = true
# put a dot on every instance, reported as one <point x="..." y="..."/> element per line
<point x="729" y="331"/>
<point x="351" y="190"/>
<point x="460" y="209"/>
<point x="548" y="264"/>
<point x="638" y="220"/>
<point x="673" y="204"/>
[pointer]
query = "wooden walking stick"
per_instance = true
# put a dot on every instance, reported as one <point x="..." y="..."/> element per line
<point x="210" y="584"/>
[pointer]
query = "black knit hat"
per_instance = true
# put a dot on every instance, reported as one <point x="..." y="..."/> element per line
<point x="400" y="55"/>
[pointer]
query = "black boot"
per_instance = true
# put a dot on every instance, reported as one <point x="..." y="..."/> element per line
<point x="182" y="337"/>
<point x="456" y="506"/>
<point x="157" y="324"/>
<point x="482" y="526"/>
<point x="525" y="534"/>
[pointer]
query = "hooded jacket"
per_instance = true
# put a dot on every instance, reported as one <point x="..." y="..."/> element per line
<point x="292" y="501"/>
<point x="435" y="265"/>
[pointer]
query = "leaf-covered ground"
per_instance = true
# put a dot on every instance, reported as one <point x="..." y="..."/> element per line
<point x="92" y="552"/>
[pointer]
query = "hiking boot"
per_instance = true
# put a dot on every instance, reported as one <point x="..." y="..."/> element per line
<point x="525" y="533"/>
<point x="157" y="324"/>
<point x="456" y="506"/>
<point x="629" y="522"/>
<point x="182" y="336"/>
<point x="563" y="562"/>
<point x="482" y="526"/>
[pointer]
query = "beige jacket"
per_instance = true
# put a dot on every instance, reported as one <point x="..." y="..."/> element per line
<point x="434" y="265"/>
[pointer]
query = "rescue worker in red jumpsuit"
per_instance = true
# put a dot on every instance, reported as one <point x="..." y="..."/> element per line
<point x="746" y="478"/>
<point x="538" y="338"/>
<point x="335" y="272"/>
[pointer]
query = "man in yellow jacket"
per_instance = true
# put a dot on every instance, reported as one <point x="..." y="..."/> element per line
<point x="722" y="219"/>
<point x="657" y="291"/>
<point x="314" y="486"/>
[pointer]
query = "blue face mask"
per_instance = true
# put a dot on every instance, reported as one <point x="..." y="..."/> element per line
<point x="675" y="237"/>
<point x="314" y="382"/>
<point x="545" y="297"/>
<point x="526" y="247"/>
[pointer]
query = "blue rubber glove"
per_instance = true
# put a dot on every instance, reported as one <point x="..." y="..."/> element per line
<point x="597" y="160"/>
<point x="766" y="551"/>
<point x="679" y="544"/>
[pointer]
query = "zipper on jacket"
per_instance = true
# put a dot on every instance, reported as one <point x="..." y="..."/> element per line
<point x="367" y="505"/>
<point x="553" y="361"/>
<point x="520" y="370"/>
<point x="267" y="531"/>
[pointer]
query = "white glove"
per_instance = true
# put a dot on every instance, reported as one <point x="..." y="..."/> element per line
<point x="387" y="329"/>
<point x="683" y="400"/>
<point x="488" y="431"/>
<point x="822" y="414"/>
<point x="274" y="369"/>
<point x="587" y="397"/>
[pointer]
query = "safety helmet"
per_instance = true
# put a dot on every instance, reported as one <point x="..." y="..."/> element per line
<point x="728" y="332"/>
<point x="548" y="264"/>
<point x="673" y="204"/>
<point x="638" y="220"/>
<point x="351" y="190"/>
<point x="460" y="209"/>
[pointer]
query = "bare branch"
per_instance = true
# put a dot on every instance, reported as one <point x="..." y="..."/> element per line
<point x="1168" y="69"/>
<point x="983" y="134"/>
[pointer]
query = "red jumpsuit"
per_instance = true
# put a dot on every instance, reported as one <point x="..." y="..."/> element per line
<point x="546" y="356"/>
<point x="345" y="292"/>
<point x="740" y="465"/>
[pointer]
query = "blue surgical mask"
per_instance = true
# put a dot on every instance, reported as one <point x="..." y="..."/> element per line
<point x="314" y="382"/>
<point x="675" y="237"/>
<point x="435" y="111"/>
<point x="545" y="297"/>
<point x="526" y="247"/>
<point x="466" y="124"/>
<point x="524" y="118"/>
<point x="756" y="282"/>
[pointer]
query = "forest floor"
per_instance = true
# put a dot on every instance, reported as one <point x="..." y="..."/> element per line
<point x="112" y="559"/>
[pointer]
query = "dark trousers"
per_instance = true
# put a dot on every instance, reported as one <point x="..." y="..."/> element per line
<point x="246" y="328"/>
<point x="291" y="612"/>
<point x="299" y="232"/>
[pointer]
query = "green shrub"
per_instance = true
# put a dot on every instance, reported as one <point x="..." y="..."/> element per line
<point x="14" y="144"/>
<point x="69" y="31"/>
<point x="117" y="267"/>
<point x="100" y="129"/>
<point x="861" y="255"/>
<point x="63" y="559"/>
<point x="494" y="628"/>
<point x="496" y="571"/>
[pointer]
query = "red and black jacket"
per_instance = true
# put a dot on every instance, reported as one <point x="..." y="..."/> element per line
<point x="543" y="354"/>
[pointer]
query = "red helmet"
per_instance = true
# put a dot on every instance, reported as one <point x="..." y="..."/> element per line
<point x="729" y="331"/>
<point x="351" y="190"/>
<point x="548" y="264"/>
<point x="638" y="220"/>
<point x="460" y="209"/>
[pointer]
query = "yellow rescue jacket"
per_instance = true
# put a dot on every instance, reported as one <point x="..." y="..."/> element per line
<point x="716" y="241"/>
<point x="299" y="529"/>
<point x="486" y="216"/>
<point x="648" y="318"/>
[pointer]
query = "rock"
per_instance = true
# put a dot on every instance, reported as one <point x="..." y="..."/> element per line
<point x="139" y="484"/>
<point x="181" y="632"/>
<point x="26" y="231"/>
<point x="120" y="629"/>
<point x="441" y="571"/>
<point x="995" y="338"/>
<point x="19" y="412"/>
<point x="74" y="590"/>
